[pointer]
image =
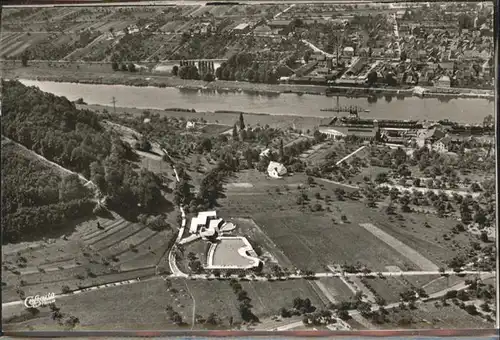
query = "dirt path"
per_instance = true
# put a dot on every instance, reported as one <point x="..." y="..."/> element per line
<point x="410" y="253"/>
<point x="350" y="155"/>
<point x="194" y="305"/>
<point x="338" y="183"/>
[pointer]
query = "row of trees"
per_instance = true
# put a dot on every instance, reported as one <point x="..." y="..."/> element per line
<point x="130" y="67"/>
<point x="245" y="306"/>
<point x="244" y="67"/>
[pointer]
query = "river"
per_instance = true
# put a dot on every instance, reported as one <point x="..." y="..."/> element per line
<point x="460" y="110"/>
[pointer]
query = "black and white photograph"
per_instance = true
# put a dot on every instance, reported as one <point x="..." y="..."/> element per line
<point x="256" y="166"/>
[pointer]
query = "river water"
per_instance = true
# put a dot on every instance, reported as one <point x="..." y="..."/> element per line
<point x="460" y="110"/>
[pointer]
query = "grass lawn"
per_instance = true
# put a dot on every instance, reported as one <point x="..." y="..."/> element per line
<point x="269" y="297"/>
<point x="337" y="288"/>
<point x="442" y="282"/>
<point x="428" y="241"/>
<point x="388" y="288"/>
<point x="371" y="172"/>
<point x="199" y="248"/>
<point x="313" y="241"/>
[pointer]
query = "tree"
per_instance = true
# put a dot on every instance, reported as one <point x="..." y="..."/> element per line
<point x="72" y="321"/>
<point x="24" y="58"/>
<point x="471" y="309"/>
<point x="235" y="132"/>
<point x="343" y="314"/>
<point x="488" y="121"/>
<point x="390" y="80"/>
<point x="380" y="301"/>
<point x="71" y="188"/>
<point x="205" y="145"/>
<point x="281" y="151"/>
<point x="390" y="210"/>
<point x="208" y="77"/>
<point x="176" y="318"/>
<point x="382" y="177"/>
<point x="114" y="66"/>
<point x="131" y="67"/>
<point x="123" y="67"/>
<point x="484" y="236"/>
<point x="242" y="122"/>
<point x="372" y="77"/>
<point x="175" y="70"/>
<point x="307" y="56"/>
<point x="55" y="311"/>
<point x="212" y="319"/>
<point x="143" y="144"/>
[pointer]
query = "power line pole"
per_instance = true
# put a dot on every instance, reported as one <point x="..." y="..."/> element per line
<point x="114" y="104"/>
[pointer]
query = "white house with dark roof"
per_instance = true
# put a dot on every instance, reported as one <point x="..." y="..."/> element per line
<point x="276" y="170"/>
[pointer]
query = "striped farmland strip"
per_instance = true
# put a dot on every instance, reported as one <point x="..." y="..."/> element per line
<point x="127" y="233"/>
<point x="109" y="231"/>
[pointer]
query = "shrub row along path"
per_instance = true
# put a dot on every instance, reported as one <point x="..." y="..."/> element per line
<point x="459" y="286"/>
<point x="353" y="313"/>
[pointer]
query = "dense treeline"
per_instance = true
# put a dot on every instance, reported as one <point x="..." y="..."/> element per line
<point x="244" y="67"/>
<point x="34" y="196"/>
<point x="53" y="127"/>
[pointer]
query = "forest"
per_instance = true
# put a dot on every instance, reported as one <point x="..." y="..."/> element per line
<point x="34" y="197"/>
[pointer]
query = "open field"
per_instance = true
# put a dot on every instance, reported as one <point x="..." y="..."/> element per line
<point x="429" y="241"/>
<point x="410" y="253"/>
<point x="337" y="289"/>
<point x="136" y="306"/>
<point x="312" y="241"/>
<point x="142" y="305"/>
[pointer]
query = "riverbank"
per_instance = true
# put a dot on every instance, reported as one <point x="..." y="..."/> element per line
<point x="220" y="117"/>
<point x="73" y="74"/>
<point x="104" y="75"/>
